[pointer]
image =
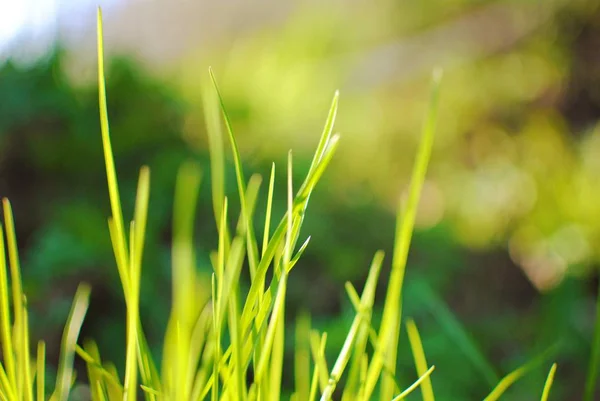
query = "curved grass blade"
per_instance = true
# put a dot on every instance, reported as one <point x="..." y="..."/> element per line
<point x="516" y="374"/>
<point x="409" y="390"/>
<point x="325" y="137"/>
<point x="420" y="361"/>
<point x="548" y="384"/>
<point x="17" y="297"/>
<point x="69" y="341"/>
<point x="111" y="175"/>
<point x="7" y="343"/>
<point x="241" y="183"/>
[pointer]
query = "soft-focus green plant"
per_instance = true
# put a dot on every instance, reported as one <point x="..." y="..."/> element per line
<point x="210" y="348"/>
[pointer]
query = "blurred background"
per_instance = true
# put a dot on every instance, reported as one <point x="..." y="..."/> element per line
<point x="504" y="259"/>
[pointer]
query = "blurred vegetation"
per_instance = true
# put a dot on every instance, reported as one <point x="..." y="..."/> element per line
<point x="509" y="218"/>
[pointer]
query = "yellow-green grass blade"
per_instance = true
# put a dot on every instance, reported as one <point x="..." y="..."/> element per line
<point x="266" y="233"/>
<point x="420" y="361"/>
<point x="233" y="268"/>
<point x="353" y="384"/>
<point x="91" y="356"/>
<point x="300" y="203"/>
<point x="420" y="380"/>
<point x="118" y="251"/>
<point x="241" y="182"/>
<point x="516" y="374"/>
<point x="199" y="360"/>
<point x="140" y="219"/>
<point x="277" y="358"/>
<point x="390" y="325"/>
<point x="290" y="215"/>
<point x="114" y="387"/>
<point x="317" y="347"/>
<point x="185" y="298"/>
<point x="69" y="342"/>
<point x="184" y="210"/>
<point x="252" y="190"/>
<point x="6" y="389"/>
<point x="325" y="137"/>
<point x="359" y="326"/>
<point x="138" y="228"/>
<point x="101" y="394"/>
<point x="212" y="117"/>
<point x="27" y="363"/>
<point x="17" y="294"/>
<point x="302" y="357"/>
<point x="277" y="352"/>
<point x="41" y="371"/>
<point x="111" y="175"/>
<point x="7" y="343"/>
<point x="131" y="324"/>
<point x="109" y="379"/>
<point x="229" y="299"/>
<point x="217" y="336"/>
<point x="548" y="384"/>
<point x="277" y="314"/>
<point x="148" y="371"/>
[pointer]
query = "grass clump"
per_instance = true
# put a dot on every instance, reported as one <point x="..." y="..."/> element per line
<point x="210" y="348"/>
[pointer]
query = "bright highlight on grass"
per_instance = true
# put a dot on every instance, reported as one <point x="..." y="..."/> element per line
<point x="213" y="341"/>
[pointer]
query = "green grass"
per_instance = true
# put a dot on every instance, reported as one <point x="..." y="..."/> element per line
<point x="209" y="348"/>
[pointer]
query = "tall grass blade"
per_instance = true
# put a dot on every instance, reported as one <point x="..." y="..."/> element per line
<point x="5" y="321"/>
<point x="111" y="175"/>
<point x="239" y="172"/>
<point x="390" y="325"/>
<point x="17" y="298"/>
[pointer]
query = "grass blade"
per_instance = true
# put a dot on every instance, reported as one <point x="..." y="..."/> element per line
<point x="7" y="343"/>
<point x="548" y="384"/>
<point x="41" y="371"/>
<point x="266" y="234"/>
<point x="17" y="297"/>
<point x="420" y="361"/>
<point x="239" y="172"/>
<point x="302" y="357"/>
<point x="69" y="341"/>
<point x="390" y="324"/>
<point x="353" y="384"/>
<point x="405" y="393"/>
<point x="515" y="375"/>
<point x="111" y="175"/>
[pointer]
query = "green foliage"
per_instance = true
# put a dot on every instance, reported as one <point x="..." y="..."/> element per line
<point x="46" y="125"/>
<point x="208" y="350"/>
